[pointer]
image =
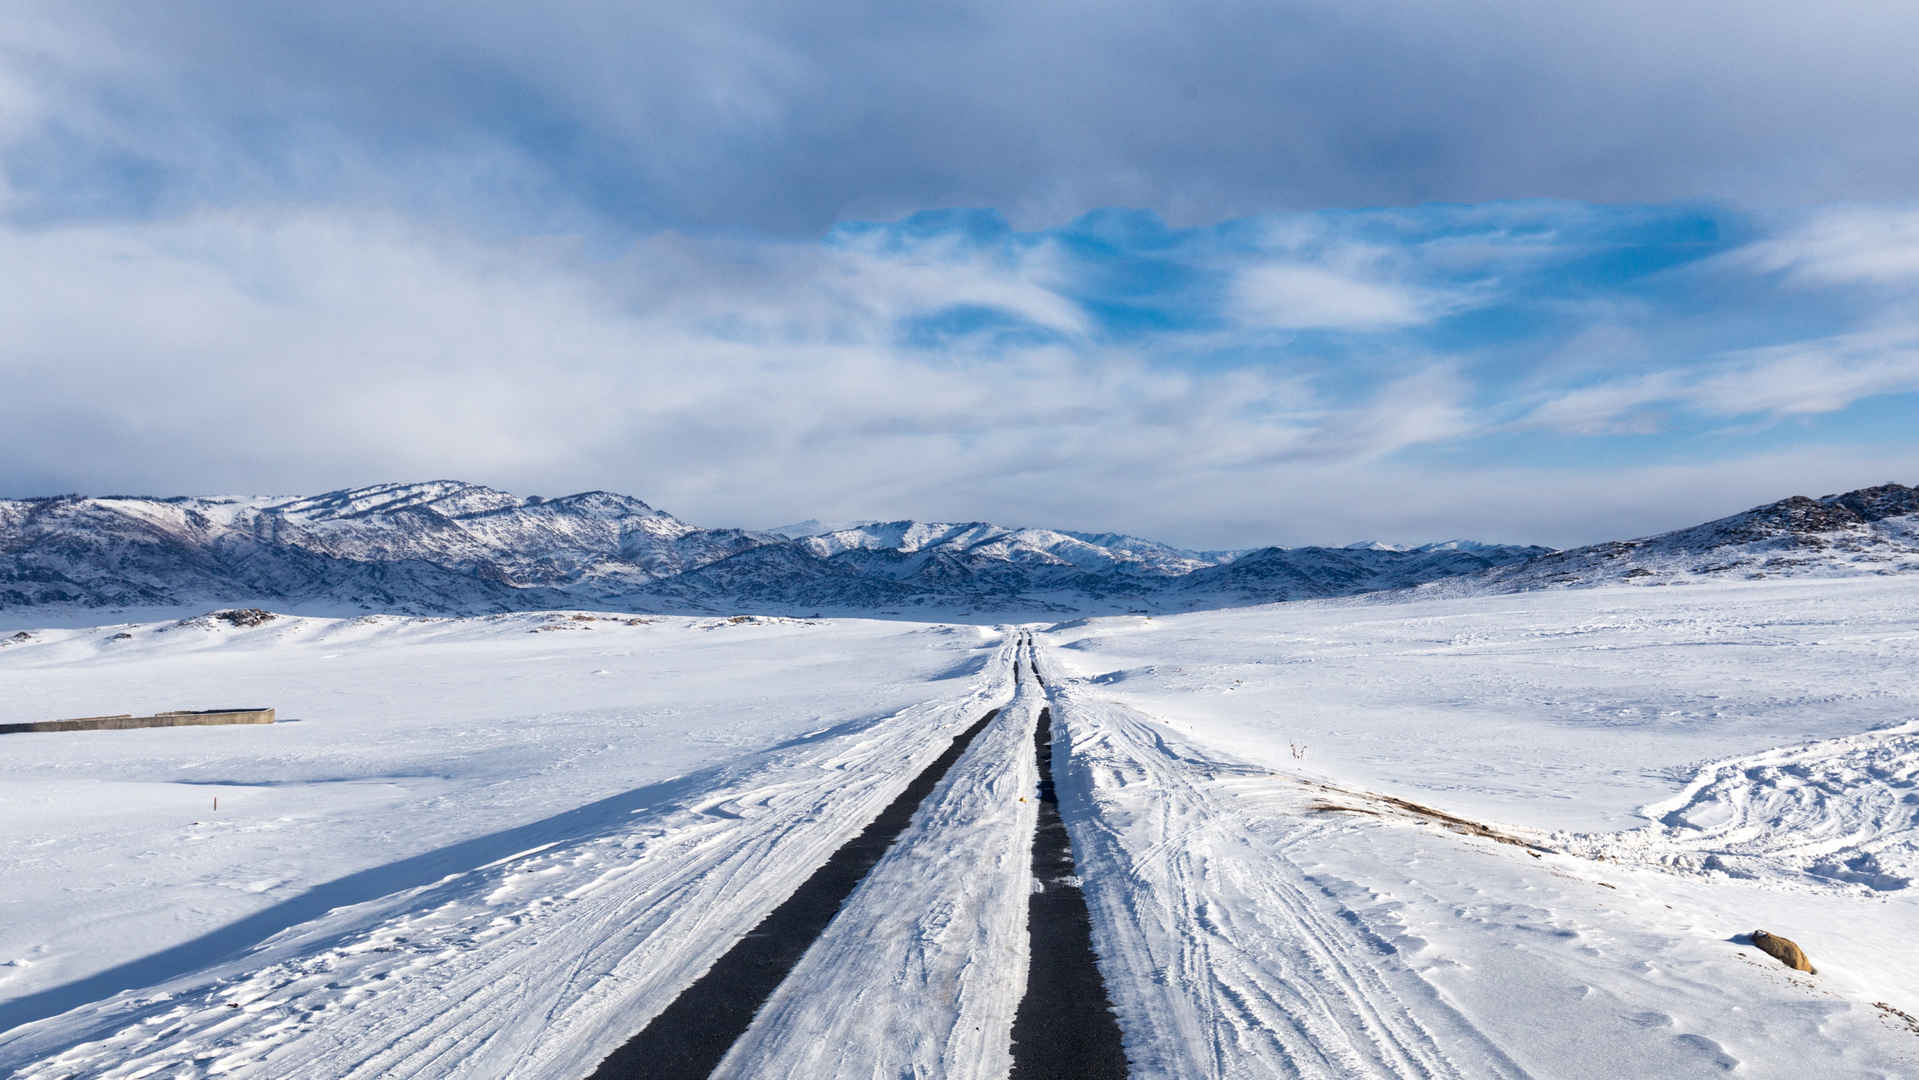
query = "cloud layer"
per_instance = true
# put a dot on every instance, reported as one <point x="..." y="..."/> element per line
<point x="688" y="254"/>
<point x="1528" y="371"/>
<point x="791" y="118"/>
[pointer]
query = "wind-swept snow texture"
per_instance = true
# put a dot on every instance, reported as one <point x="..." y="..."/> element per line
<point x="1840" y="810"/>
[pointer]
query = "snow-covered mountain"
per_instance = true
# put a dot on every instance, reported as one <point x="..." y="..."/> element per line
<point x="1045" y="558"/>
<point x="1298" y="573"/>
<point x="451" y="547"/>
<point x="1441" y="545"/>
<point x="441" y="546"/>
<point x="1870" y="531"/>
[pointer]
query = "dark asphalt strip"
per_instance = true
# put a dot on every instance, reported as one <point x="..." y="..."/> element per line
<point x="1065" y="1025"/>
<point x="688" y="1039"/>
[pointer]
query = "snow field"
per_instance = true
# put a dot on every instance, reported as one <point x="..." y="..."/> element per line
<point x="500" y="852"/>
<point x="1564" y="710"/>
<point x="534" y="950"/>
<point x="1252" y="934"/>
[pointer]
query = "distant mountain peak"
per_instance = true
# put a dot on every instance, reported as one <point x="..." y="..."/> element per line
<point x="599" y="502"/>
<point x="452" y="498"/>
<point x="1458" y="545"/>
<point x="800" y="530"/>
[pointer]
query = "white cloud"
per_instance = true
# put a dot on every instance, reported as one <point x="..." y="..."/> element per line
<point x="751" y="382"/>
<point x="1820" y="376"/>
<point x="1823" y="375"/>
<point x="234" y="352"/>
<point x="1841" y="247"/>
<point x="1297" y="296"/>
<point x="1608" y="408"/>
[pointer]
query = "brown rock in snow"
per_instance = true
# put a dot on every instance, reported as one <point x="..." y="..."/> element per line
<point x="1784" y="950"/>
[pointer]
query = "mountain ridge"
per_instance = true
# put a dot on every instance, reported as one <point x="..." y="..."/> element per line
<point x="450" y="547"/>
<point x="1872" y="530"/>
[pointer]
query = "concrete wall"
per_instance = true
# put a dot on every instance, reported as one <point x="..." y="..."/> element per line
<point x="123" y="721"/>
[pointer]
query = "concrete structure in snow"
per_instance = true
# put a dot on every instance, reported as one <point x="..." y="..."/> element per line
<point x="123" y="721"/>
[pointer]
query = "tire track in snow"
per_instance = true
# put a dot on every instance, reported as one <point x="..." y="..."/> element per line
<point x="534" y="965"/>
<point x="1065" y="1026"/>
<point x="690" y="1037"/>
<point x="1228" y="959"/>
<point x="922" y="971"/>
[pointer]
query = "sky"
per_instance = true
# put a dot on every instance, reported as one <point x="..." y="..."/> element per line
<point x="1219" y="274"/>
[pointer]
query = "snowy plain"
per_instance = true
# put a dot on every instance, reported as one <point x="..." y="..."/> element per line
<point x="412" y="750"/>
<point x="1631" y="734"/>
<point x="497" y="846"/>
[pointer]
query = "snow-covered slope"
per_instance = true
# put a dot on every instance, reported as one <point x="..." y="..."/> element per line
<point x="814" y="527"/>
<point x="447" y="547"/>
<point x="1310" y="572"/>
<point x="980" y="542"/>
<point x="1870" y="531"/>
<point x="443" y="546"/>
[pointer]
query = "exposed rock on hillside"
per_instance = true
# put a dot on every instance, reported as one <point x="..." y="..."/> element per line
<point x="1870" y="531"/>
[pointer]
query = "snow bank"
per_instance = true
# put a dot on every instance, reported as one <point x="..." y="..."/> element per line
<point x="1841" y="812"/>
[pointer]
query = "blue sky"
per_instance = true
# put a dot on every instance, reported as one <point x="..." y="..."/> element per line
<point x="1220" y="274"/>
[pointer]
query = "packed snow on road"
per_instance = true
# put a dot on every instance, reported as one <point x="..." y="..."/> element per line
<point x="1471" y="836"/>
